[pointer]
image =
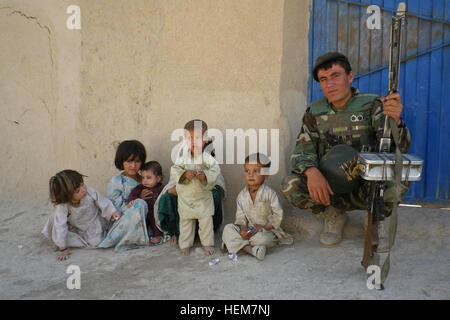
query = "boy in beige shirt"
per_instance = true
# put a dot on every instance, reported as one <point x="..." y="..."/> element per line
<point x="258" y="213"/>
<point x="195" y="173"/>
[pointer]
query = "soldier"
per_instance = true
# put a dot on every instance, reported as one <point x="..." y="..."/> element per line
<point x="336" y="128"/>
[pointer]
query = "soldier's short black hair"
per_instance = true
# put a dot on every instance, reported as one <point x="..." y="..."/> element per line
<point x="154" y="167"/>
<point x="127" y="149"/>
<point x="327" y="60"/>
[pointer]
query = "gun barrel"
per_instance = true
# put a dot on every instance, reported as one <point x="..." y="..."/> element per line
<point x="394" y="68"/>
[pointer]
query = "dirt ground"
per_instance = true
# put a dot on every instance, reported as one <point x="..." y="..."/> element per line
<point x="420" y="264"/>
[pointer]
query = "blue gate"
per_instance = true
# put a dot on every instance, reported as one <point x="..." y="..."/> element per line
<point x="338" y="25"/>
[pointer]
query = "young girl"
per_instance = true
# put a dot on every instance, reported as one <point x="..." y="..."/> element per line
<point x="130" y="231"/>
<point x="80" y="213"/>
<point x="195" y="173"/>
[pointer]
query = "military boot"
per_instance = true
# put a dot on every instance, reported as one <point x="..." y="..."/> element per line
<point x="335" y="220"/>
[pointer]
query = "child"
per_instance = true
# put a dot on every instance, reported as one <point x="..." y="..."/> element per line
<point x="258" y="214"/>
<point x="130" y="231"/>
<point x="80" y="213"/>
<point x="195" y="173"/>
<point x="151" y="173"/>
<point x="166" y="213"/>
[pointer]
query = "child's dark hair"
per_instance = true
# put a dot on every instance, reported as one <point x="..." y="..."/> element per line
<point x="259" y="158"/>
<point x="127" y="149"/>
<point x="63" y="185"/>
<point x="153" y="166"/>
<point x="191" y="125"/>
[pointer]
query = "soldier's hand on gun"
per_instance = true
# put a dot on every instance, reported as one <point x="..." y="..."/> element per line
<point x="392" y="105"/>
<point x="318" y="186"/>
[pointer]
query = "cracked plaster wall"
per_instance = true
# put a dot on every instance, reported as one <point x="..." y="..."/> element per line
<point x="138" y="70"/>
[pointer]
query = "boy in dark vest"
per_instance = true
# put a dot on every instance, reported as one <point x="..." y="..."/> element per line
<point x="343" y="117"/>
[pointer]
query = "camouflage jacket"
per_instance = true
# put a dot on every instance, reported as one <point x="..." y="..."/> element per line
<point x="359" y="124"/>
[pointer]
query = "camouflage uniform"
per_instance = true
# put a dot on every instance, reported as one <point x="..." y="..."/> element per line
<point x="359" y="124"/>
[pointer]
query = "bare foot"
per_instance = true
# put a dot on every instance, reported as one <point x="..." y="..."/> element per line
<point x="173" y="240"/>
<point x="209" y="250"/>
<point x="248" y="249"/>
<point x="154" y="240"/>
<point x="64" y="255"/>
<point x="185" y="251"/>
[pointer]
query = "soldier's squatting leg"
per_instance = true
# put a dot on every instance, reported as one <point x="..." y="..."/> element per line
<point x="295" y="189"/>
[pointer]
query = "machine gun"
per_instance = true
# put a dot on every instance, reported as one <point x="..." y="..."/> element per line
<point x="381" y="167"/>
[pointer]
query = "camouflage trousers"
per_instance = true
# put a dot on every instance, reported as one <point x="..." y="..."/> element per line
<point x="295" y="189"/>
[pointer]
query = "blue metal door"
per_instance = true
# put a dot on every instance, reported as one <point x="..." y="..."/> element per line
<point x="338" y="25"/>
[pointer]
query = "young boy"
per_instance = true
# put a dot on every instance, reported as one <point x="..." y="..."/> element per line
<point x="149" y="190"/>
<point x="195" y="173"/>
<point x="258" y="213"/>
